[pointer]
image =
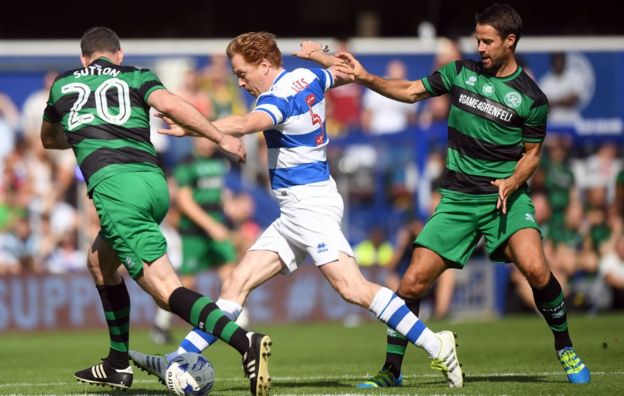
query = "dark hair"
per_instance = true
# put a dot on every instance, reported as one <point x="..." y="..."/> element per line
<point x="502" y="17"/>
<point x="99" y="39"/>
<point x="254" y="47"/>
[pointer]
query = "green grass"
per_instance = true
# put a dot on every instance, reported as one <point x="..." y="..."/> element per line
<point x="512" y="356"/>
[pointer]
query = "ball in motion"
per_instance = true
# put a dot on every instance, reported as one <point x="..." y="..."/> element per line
<point x="190" y="374"/>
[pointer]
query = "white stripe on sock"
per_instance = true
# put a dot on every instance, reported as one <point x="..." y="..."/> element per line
<point x="197" y="340"/>
<point x="230" y="308"/>
<point x="391" y="309"/>
<point x="380" y="301"/>
<point x="406" y="324"/>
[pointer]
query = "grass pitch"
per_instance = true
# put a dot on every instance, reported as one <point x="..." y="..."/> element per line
<point x="511" y="356"/>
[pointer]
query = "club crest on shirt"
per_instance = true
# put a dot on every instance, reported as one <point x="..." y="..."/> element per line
<point x="513" y="99"/>
<point x="487" y="89"/>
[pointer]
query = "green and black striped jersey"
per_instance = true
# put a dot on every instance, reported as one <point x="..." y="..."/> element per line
<point x="489" y="121"/>
<point x="104" y="112"/>
<point x="205" y="176"/>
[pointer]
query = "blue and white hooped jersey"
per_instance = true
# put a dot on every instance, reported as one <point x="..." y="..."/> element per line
<point x="297" y="142"/>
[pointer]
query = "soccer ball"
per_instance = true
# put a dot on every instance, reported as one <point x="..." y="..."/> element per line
<point x="190" y="374"/>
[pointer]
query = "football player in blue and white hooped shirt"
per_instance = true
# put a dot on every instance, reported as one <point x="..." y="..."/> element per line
<point x="290" y="109"/>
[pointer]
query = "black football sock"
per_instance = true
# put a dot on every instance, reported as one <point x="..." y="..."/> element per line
<point x="116" y="304"/>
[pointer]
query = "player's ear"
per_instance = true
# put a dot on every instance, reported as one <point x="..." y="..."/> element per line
<point x="84" y="60"/>
<point x="510" y="41"/>
<point x="120" y="56"/>
<point x="265" y="65"/>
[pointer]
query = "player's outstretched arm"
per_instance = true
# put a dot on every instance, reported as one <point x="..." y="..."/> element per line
<point x="192" y="121"/>
<point x="401" y="90"/>
<point x="235" y="125"/>
<point x="239" y="125"/>
<point x="317" y="53"/>
<point x="342" y="72"/>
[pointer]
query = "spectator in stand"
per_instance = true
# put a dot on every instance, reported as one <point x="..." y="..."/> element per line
<point x="33" y="107"/>
<point x="563" y="90"/>
<point x="617" y="208"/>
<point x="190" y="90"/>
<point x="44" y="242"/>
<point x="16" y="186"/>
<point x="239" y="209"/>
<point x="8" y="127"/>
<point x="376" y="250"/>
<point x="16" y="248"/>
<point x="559" y="182"/>
<point x="437" y="108"/>
<point x="53" y="172"/>
<point x="66" y="257"/>
<point x="382" y="115"/>
<point x="596" y="213"/>
<point x="573" y="245"/>
<point x="600" y="169"/>
<point x="612" y="264"/>
<point x="343" y="103"/>
<point x="216" y="80"/>
<point x="227" y="99"/>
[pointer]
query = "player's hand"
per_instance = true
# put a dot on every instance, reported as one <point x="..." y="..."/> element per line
<point x="357" y="70"/>
<point x="505" y="188"/>
<point x="234" y="146"/>
<point x="307" y="48"/>
<point x="218" y="232"/>
<point x="344" y="70"/>
<point x="174" y="129"/>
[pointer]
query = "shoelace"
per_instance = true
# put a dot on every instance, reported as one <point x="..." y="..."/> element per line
<point x="569" y="359"/>
<point x="439" y="364"/>
<point x="383" y="376"/>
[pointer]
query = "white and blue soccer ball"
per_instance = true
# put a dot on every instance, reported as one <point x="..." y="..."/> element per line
<point x="190" y="374"/>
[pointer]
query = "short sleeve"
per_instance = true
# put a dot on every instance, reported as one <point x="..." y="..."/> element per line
<point x="50" y="114"/>
<point x="441" y="81"/>
<point x="534" y="128"/>
<point x="277" y="108"/>
<point x="325" y="77"/>
<point x="147" y="82"/>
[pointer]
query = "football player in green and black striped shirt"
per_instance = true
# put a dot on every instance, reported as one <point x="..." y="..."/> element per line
<point x="101" y="112"/>
<point x="496" y="126"/>
<point x="206" y="244"/>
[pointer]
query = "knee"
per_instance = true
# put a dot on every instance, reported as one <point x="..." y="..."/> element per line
<point x="161" y="292"/>
<point x="95" y="271"/>
<point x="538" y="277"/>
<point x="102" y="273"/>
<point x="414" y="287"/>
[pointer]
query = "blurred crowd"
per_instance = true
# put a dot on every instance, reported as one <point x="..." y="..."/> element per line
<point x="47" y="220"/>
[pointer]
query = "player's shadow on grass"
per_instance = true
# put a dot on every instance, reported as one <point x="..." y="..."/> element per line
<point x="511" y="378"/>
<point x="292" y="384"/>
<point x="129" y="392"/>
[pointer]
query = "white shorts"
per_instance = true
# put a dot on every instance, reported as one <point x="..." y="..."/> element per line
<point x="307" y="226"/>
